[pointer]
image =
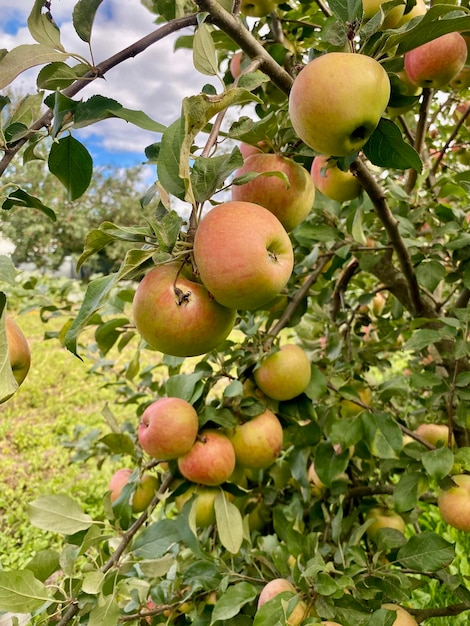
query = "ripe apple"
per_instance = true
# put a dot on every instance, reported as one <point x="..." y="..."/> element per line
<point x="279" y="585"/>
<point x="435" y="434"/>
<point x="247" y="149"/>
<point x="419" y="9"/>
<point x="210" y="461"/>
<point x="462" y="80"/>
<point x="243" y="254"/>
<point x="437" y="62"/>
<point x="349" y="408"/>
<point x="337" y="100"/>
<point x="403" y="617"/>
<point x="454" y="503"/>
<point x="205" y="498"/>
<point x="384" y="518"/>
<point x="178" y="316"/>
<point x="333" y="182"/>
<point x="257" y="8"/>
<point x="284" y="374"/>
<point x="258" y="442"/>
<point x="235" y="65"/>
<point x="19" y="353"/>
<point x="143" y="494"/>
<point x="290" y="203"/>
<point x="168" y="428"/>
<point x="371" y="7"/>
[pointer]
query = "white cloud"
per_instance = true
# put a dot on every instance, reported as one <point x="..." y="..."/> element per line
<point x="155" y="81"/>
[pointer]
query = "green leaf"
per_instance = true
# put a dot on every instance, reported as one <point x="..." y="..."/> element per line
<point x="387" y="148"/>
<point x="58" y="513"/>
<point x="229" y="523"/>
<point x="209" y="174"/>
<point x="328" y="464"/>
<point x="95" y="297"/>
<point x="346" y="10"/>
<point x="21" y="592"/>
<point x="405" y="495"/>
<point x="59" y="75"/>
<point x="185" y="386"/>
<point x="167" y="230"/>
<point x="424" y="337"/>
<point x="42" y="27"/>
<point x="83" y="17"/>
<point x="72" y="164"/>
<point x="204" y="51"/>
<point x="105" y="613"/>
<point x="426" y="552"/>
<point x="24" y="57"/>
<point x="438" y="463"/>
<point x="118" y="443"/>
<point x="168" y="164"/>
<point x="21" y="198"/>
<point x="99" y="108"/>
<point x="232" y="601"/>
<point x="155" y="540"/>
<point x="8" y="273"/>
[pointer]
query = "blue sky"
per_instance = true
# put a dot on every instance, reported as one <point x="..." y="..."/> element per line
<point x="155" y="81"/>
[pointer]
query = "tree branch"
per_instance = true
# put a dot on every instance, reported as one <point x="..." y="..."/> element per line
<point x="234" y="28"/>
<point x="98" y="72"/>
<point x="420" y="135"/>
<point x="453" y="135"/>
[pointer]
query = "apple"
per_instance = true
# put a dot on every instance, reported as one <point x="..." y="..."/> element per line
<point x="435" y="434"/>
<point x="403" y="618"/>
<point x="454" y="503"/>
<point x="462" y="80"/>
<point x="404" y="94"/>
<point x="393" y="16"/>
<point x="333" y="182"/>
<point x="384" y="518"/>
<point x="168" y="428"/>
<point x="19" y="353"/>
<point x="290" y="203"/>
<point x="277" y="586"/>
<point x="247" y="149"/>
<point x="317" y="486"/>
<point x="177" y="316"/>
<point x="210" y="461"/>
<point x="243" y="254"/>
<point x="378" y="303"/>
<point x="205" y="498"/>
<point x="235" y="65"/>
<point x="284" y="374"/>
<point x="257" y="8"/>
<point x="435" y="63"/>
<point x="257" y="442"/>
<point x="349" y="408"/>
<point x="143" y="494"/>
<point x="337" y="100"/>
<point x="419" y="9"/>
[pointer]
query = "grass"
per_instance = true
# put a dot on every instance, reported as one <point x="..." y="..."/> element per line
<point x="58" y="395"/>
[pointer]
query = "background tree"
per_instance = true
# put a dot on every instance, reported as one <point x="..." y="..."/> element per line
<point x="330" y="488"/>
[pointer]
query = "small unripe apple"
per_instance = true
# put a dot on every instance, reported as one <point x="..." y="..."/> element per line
<point x="168" y="428"/>
<point x="419" y="9"/>
<point x="178" y="316"/>
<point x="258" y="442"/>
<point x="435" y="63"/>
<point x="454" y="503"/>
<point x="284" y="374"/>
<point x="235" y="65"/>
<point x="19" y="353"/>
<point x="337" y="100"/>
<point x="403" y="617"/>
<point x="384" y="518"/>
<point x="349" y="408"/>
<point x="435" y="434"/>
<point x="257" y="8"/>
<point x="143" y="494"/>
<point x="210" y="461"/>
<point x="205" y="498"/>
<point x="333" y="182"/>
<point x="243" y="254"/>
<point x="290" y="203"/>
<point x="279" y="585"/>
<point x="462" y="80"/>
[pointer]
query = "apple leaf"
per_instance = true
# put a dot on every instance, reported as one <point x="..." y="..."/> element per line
<point x="209" y="174"/>
<point x="25" y="56"/>
<point x="438" y="463"/>
<point x="72" y="164"/>
<point x="231" y="602"/>
<point x="43" y="28"/>
<point x="83" y="17"/>
<point x="387" y="148"/>
<point x="204" y="51"/>
<point x="58" y="513"/>
<point x="105" y="613"/>
<point x="21" y="198"/>
<point x="405" y="495"/>
<point x="346" y="10"/>
<point x="426" y="552"/>
<point x="229" y="523"/>
<point x="21" y="592"/>
<point x="155" y="540"/>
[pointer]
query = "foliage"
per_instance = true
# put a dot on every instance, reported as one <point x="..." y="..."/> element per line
<point x="405" y="237"/>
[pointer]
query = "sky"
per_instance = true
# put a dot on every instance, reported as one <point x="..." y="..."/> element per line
<point x="155" y="81"/>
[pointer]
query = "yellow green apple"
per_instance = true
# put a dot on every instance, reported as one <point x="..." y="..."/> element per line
<point x="290" y="202"/>
<point x="19" y="353"/>
<point x="235" y="64"/>
<point x="257" y="442"/>
<point x="435" y="434"/>
<point x="178" y="316"/>
<point x="349" y="408"/>
<point x="332" y="182"/>
<point x="337" y="100"/>
<point x="383" y="518"/>
<point x="243" y="254"/>
<point x="168" y="428"/>
<point x="454" y="503"/>
<point x="403" y="618"/>
<point x="462" y="80"/>
<point x="205" y="498"/>
<point x="144" y="492"/>
<point x="257" y="8"/>
<point x="419" y="9"/>
<point x="435" y="63"/>
<point x="285" y="373"/>
<point x="211" y="460"/>
<point x="277" y="586"/>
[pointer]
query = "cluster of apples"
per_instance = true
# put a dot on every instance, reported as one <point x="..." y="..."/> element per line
<point x="208" y="457"/>
<point x="19" y="353"/>
<point x="300" y="609"/>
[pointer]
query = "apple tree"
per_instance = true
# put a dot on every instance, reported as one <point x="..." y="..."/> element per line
<point x="297" y="448"/>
